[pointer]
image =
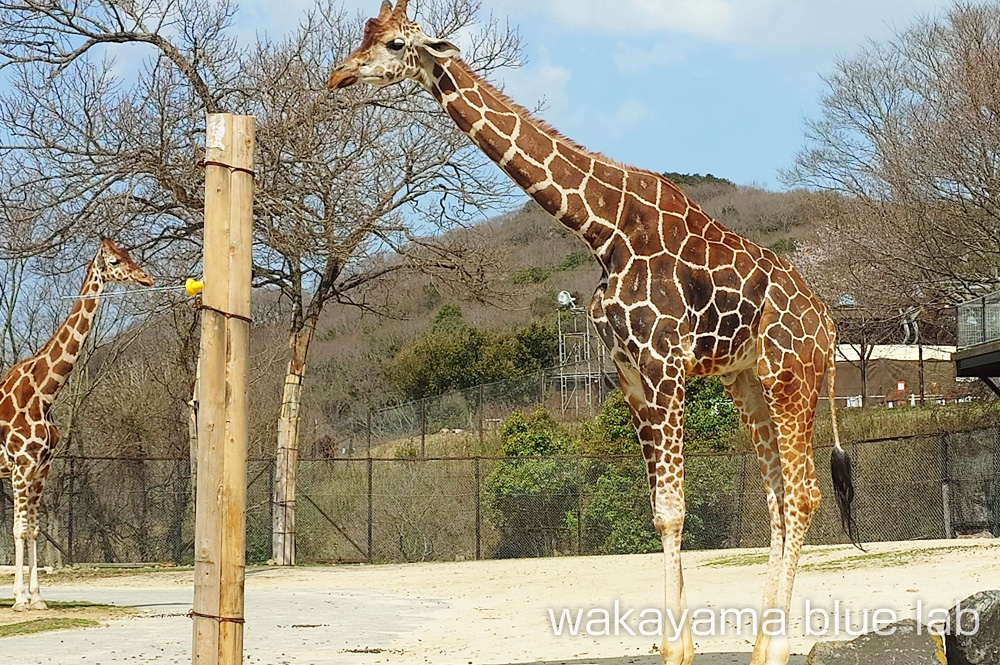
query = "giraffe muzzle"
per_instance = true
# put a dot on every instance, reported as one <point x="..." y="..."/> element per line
<point x="341" y="79"/>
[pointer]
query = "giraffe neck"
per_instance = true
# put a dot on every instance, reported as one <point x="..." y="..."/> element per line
<point x="63" y="349"/>
<point x="586" y="192"/>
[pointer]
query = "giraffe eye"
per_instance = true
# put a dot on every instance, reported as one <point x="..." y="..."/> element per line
<point x="114" y="261"/>
<point x="396" y="45"/>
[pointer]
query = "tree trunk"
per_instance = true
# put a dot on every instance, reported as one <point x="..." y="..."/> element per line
<point x="193" y="435"/>
<point x="286" y="464"/>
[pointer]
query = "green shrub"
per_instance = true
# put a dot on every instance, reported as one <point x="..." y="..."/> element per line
<point x="451" y="355"/>
<point x="532" y="501"/>
<point x="533" y="275"/>
<point x="573" y="261"/>
<point x="710" y="419"/>
<point x="785" y="246"/>
<point x="617" y="516"/>
<point x="450" y="411"/>
<point x="711" y="502"/>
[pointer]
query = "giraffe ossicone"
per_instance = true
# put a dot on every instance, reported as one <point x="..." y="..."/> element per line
<point x="28" y="437"/>
<point x="680" y="296"/>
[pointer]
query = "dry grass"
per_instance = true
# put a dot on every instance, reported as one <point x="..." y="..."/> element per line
<point x="60" y="616"/>
<point x="45" y="625"/>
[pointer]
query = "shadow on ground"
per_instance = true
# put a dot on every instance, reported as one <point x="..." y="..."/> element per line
<point x="725" y="658"/>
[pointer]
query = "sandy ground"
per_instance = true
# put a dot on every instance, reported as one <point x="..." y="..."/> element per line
<point x="496" y="612"/>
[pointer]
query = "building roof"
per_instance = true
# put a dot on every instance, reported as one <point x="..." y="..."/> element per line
<point x="910" y="352"/>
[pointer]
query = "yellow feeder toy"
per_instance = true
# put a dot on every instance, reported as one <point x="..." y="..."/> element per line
<point x="193" y="286"/>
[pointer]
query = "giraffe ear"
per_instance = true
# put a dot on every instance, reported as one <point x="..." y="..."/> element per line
<point x="386" y="10"/>
<point x="440" y="48"/>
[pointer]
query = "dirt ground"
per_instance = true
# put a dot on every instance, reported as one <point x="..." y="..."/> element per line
<point x="497" y="612"/>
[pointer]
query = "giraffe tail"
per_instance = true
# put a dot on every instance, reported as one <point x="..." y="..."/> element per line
<point x="840" y="461"/>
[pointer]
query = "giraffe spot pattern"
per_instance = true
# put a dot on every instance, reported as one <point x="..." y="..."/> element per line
<point x="681" y="295"/>
<point x="29" y="388"/>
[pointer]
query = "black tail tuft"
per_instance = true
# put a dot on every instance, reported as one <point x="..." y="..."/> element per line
<point x="843" y="487"/>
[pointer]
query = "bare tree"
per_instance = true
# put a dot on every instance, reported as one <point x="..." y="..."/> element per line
<point x="865" y="299"/>
<point x="910" y="130"/>
<point x="349" y="189"/>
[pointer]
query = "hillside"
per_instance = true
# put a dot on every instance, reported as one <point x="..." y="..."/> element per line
<point x="356" y="361"/>
<point x="541" y="259"/>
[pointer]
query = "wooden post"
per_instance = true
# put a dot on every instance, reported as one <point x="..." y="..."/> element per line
<point x="220" y="524"/>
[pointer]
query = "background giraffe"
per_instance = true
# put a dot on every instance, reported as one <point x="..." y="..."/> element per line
<point x="26" y="395"/>
<point x="681" y="296"/>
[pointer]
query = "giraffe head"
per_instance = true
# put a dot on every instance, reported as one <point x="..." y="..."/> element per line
<point x="393" y="49"/>
<point x="113" y="264"/>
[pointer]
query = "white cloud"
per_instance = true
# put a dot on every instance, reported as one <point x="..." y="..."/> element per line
<point x="758" y="25"/>
<point x="826" y="25"/>
<point x="545" y="83"/>
<point x="629" y="115"/>
<point x="714" y="19"/>
<point x="637" y="58"/>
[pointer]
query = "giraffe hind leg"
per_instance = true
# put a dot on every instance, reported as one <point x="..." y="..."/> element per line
<point x="792" y="393"/>
<point x="34" y="592"/>
<point x="747" y="393"/>
<point x="31" y="531"/>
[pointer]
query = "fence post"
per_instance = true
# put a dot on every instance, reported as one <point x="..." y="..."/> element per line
<point x="996" y="474"/>
<point x="541" y="387"/>
<point x="982" y="328"/>
<point x="368" y="441"/>
<point x="271" y="470"/>
<point x="69" y="517"/>
<point x="579" y="508"/>
<point x="481" y="428"/>
<point x="370" y="509"/>
<point x="423" y="428"/>
<point x="479" y="516"/>
<point x="945" y="488"/>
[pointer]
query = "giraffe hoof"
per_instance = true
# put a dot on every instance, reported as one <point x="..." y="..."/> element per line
<point x="38" y="605"/>
<point x="20" y="607"/>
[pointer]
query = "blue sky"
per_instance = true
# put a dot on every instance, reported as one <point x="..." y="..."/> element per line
<point x="695" y="86"/>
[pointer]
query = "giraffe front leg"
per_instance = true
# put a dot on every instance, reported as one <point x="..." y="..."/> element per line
<point x="677" y="647"/>
<point x="20" y="599"/>
<point x="35" y="602"/>
<point x="20" y="602"/>
<point x="657" y="412"/>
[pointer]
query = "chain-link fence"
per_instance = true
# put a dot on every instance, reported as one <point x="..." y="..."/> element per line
<point x="140" y="510"/>
<point x="467" y="421"/>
